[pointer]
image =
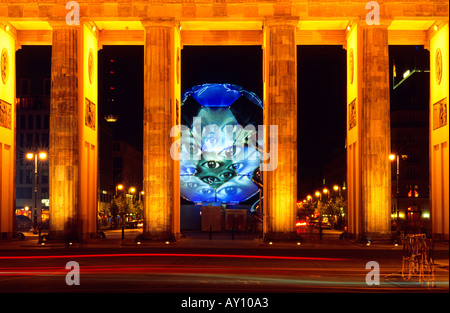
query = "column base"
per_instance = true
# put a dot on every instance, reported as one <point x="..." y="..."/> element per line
<point x="155" y="237"/>
<point x="440" y="237"/>
<point x="64" y="236"/>
<point x="282" y="236"/>
<point x="6" y="235"/>
<point x="372" y="237"/>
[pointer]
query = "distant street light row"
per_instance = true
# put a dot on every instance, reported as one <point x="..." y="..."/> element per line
<point x="339" y="189"/>
<point x="326" y="191"/>
<point x="131" y="190"/>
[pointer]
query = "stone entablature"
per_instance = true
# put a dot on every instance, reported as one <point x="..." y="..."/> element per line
<point x="212" y="9"/>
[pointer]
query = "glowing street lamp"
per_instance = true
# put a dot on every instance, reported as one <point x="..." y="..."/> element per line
<point x="132" y="191"/>
<point x="42" y="155"/>
<point x="337" y="188"/>
<point x="119" y="187"/>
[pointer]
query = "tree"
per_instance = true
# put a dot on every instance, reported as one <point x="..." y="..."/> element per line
<point x="119" y="207"/>
<point x="307" y="209"/>
<point x="137" y="208"/>
<point x="114" y="211"/>
<point x="334" y="207"/>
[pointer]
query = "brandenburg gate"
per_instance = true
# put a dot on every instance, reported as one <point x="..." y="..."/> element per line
<point x="76" y="30"/>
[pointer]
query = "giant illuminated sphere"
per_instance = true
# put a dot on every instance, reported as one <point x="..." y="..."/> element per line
<point x="220" y="150"/>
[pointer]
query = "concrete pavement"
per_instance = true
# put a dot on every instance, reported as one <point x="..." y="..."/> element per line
<point x="198" y="240"/>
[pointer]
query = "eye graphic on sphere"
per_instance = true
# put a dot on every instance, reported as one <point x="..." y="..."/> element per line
<point x="227" y="175"/>
<point x="236" y="166"/>
<point x="192" y="185"/>
<point x="231" y="190"/>
<point x="210" y="179"/>
<point x="194" y="149"/>
<point x="206" y="191"/>
<point x="211" y="164"/>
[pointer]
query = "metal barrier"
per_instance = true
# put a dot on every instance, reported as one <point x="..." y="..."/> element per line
<point x="418" y="261"/>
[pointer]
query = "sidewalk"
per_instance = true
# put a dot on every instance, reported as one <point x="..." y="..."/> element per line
<point x="202" y="240"/>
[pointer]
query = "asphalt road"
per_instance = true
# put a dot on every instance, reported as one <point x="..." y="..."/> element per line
<point x="201" y="275"/>
<point x="175" y="269"/>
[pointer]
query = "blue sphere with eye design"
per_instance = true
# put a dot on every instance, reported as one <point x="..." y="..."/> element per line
<point x="220" y="150"/>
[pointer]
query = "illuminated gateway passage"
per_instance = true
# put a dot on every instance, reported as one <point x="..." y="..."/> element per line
<point x="77" y="32"/>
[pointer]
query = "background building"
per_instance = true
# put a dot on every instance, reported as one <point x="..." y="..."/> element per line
<point x="32" y="131"/>
<point x="127" y="165"/>
<point x="410" y="135"/>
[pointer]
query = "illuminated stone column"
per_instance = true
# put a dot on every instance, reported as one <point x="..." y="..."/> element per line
<point x="280" y="109"/>
<point x="7" y="130"/>
<point x="439" y="93"/>
<point x="368" y="131"/>
<point x="63" y="155"/>
<point x="161" y="113"/>
<point x="73" y="132"/>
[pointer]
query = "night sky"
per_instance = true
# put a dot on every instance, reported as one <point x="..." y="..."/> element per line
<point x="321" y="90"/>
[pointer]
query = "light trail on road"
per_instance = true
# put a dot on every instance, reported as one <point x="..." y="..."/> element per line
<point x="266" y="257"/>
<point x="209" y="276"/>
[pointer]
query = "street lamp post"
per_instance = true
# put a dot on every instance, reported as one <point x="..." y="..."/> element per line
<point x="326" y="191"/>
<point x="319" y="195"/>
<point x="397" y="157"/>
<point x="119" y="187"/>
<point x="30" y="156"/>
<point x="132" y="190"/>
<point x="337" y="188"/>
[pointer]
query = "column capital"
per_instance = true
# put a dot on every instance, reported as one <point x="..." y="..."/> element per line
<point x="61" y="23"/>
<point x="281" y="21"/>
<point x="159" y="22"/>
<point x="383" y="22"/>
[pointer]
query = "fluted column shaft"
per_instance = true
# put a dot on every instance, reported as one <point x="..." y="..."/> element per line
<point x="375" y="130"/>
<point x="64" y="150"/>
<point x="159" y="110"/>
<point x="280" y="109"/>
